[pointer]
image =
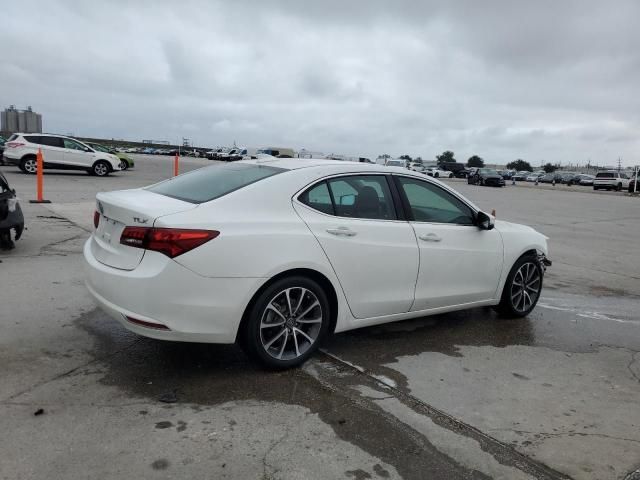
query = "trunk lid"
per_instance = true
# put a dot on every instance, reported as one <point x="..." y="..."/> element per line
<point x="139" y="208"/>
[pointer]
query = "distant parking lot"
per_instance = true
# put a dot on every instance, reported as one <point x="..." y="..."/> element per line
<point x="462" y="395"/>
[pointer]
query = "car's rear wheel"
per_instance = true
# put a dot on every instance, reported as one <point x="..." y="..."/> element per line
<point x="100" y="169"/>
<point x="29" y="165"/>
<point x="522" y="288"/>
<point x="287" y="322"/>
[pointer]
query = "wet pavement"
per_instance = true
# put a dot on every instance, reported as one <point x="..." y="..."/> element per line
<point x="461" y="395"/>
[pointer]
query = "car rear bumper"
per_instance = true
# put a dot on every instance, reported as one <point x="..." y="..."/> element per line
<point x="162" y="299"/>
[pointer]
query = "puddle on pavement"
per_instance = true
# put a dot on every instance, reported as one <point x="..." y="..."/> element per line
<point x="203" y="375"/>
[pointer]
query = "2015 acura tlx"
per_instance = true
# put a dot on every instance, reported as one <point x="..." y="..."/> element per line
<point x="277" y="253"/>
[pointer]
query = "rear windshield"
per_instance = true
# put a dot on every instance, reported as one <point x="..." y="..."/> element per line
<point x="604" y="175"/>
<point x="208" y="183"/>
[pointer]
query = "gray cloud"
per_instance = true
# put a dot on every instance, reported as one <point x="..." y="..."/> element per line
<point x="544" y="81"/>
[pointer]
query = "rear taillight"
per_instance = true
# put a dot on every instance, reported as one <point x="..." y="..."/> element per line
<point x="96" y="219"/>
<point x="14" y="144"/>
<point x="169" y="241"/>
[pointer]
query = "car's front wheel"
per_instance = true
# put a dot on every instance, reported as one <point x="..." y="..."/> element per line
<point x="123" y="165"/>
<point x="100" y="169"/>
<point x="287" y="323"/>
<point x="522" y="288"/>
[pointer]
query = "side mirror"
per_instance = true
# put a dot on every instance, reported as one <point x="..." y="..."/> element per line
<point x="484" y="221"/>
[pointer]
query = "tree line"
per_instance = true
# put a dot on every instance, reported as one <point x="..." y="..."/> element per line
<point x="476" y="161"/>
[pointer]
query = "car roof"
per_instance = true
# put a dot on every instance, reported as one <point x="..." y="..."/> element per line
<point x="298" y="163"/>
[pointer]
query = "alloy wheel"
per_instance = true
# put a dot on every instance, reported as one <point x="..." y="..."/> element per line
<point x="101" y="169"/>
<point x="30" y="166"/>
<point x="291" y="323"/>
<point x="525" y="287"/>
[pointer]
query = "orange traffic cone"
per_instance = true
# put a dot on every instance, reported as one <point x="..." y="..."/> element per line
<point x="39" y="179"/>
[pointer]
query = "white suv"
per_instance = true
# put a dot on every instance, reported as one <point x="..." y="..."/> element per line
<point x="58" y="152"/>
<point x="611" y="180"/>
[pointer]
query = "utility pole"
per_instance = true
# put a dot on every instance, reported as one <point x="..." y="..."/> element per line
<point x="619" y="164"/>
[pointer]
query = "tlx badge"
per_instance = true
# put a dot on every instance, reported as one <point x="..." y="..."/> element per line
<point x="140" y="220"/>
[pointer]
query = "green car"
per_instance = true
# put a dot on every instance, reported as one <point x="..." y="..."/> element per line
<point x="126" y="161"/>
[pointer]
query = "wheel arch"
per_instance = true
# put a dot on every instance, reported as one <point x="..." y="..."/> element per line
<point x="314" y="275"/>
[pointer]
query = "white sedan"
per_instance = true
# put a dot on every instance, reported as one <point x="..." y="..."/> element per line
<point x="277" y="253"/>
<point x="438" y="173"/>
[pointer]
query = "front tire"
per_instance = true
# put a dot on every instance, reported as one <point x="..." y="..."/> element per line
<point x="522" y="288"/>
<point x="100" y="169"/>
<point x="287" y="323"/>
<point x="619" y="187"/>
<point x="123" y="165"/>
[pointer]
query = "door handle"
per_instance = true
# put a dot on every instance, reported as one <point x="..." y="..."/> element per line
<point x="342" y="231"/>
<point x="430" y="237"/>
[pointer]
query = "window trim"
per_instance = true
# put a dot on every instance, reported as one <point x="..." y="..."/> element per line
<point x="407" y="206"/>
<point x="390" y="184"/>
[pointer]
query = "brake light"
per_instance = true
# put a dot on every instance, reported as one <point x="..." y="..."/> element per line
<point x="168" y="241"/>
<point x="14" y="144"/>
<point x="96" y="219"/>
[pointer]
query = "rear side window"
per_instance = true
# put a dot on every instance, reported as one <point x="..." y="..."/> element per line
<point x="51" y="141"/>
<point x="353" y="196"/>
<point x="604" y="175"/>
<point x="33" y="139"/>
<point x="208" y="183"/>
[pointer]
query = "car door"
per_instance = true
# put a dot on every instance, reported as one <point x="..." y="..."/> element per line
<point x="459" y="263"/>
<point x="373" y="253"/>
<point x="52" y="149"/>
<point x="76" y="154"/>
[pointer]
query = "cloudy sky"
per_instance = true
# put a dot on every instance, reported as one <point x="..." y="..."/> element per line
<point x="545" y="81"/>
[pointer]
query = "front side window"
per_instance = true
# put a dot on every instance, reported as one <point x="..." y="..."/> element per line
<point x="353" y="196"/>
<point x="430" y="203"/>
<point x="73" y="145"/>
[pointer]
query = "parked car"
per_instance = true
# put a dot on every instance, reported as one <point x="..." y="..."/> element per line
<point x="11" y="217"/>
<point x="632" y="183"/>
<point x="551" y="178"/>
<point x="2" y="142"/>
<point x="611" y="180"/>
<point x="485" y="177"/>
<point x="277" y="254"/>
<point x="395" y="163"/>
<point x="438" y="172"/>
<point x="535" y="176"/>
<point x="506" y="174"/>
<point x="416" y="166"/>
<point x="458" y="169"/>
<point x="126" y="161"/>
<point x="59" y="152"/>
<point x="586" y="180"/>
<point x="280" y="152"/>
<point x="521" y="175"/>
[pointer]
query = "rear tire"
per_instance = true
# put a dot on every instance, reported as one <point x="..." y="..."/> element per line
<point x="522" y="288"/>
<point x="287" y="322"/>
<point x="100" y="169"/>
<point x="29" y="165"/>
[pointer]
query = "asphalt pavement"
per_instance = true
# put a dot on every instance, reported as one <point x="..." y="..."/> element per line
<point x="463" y="395"/>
